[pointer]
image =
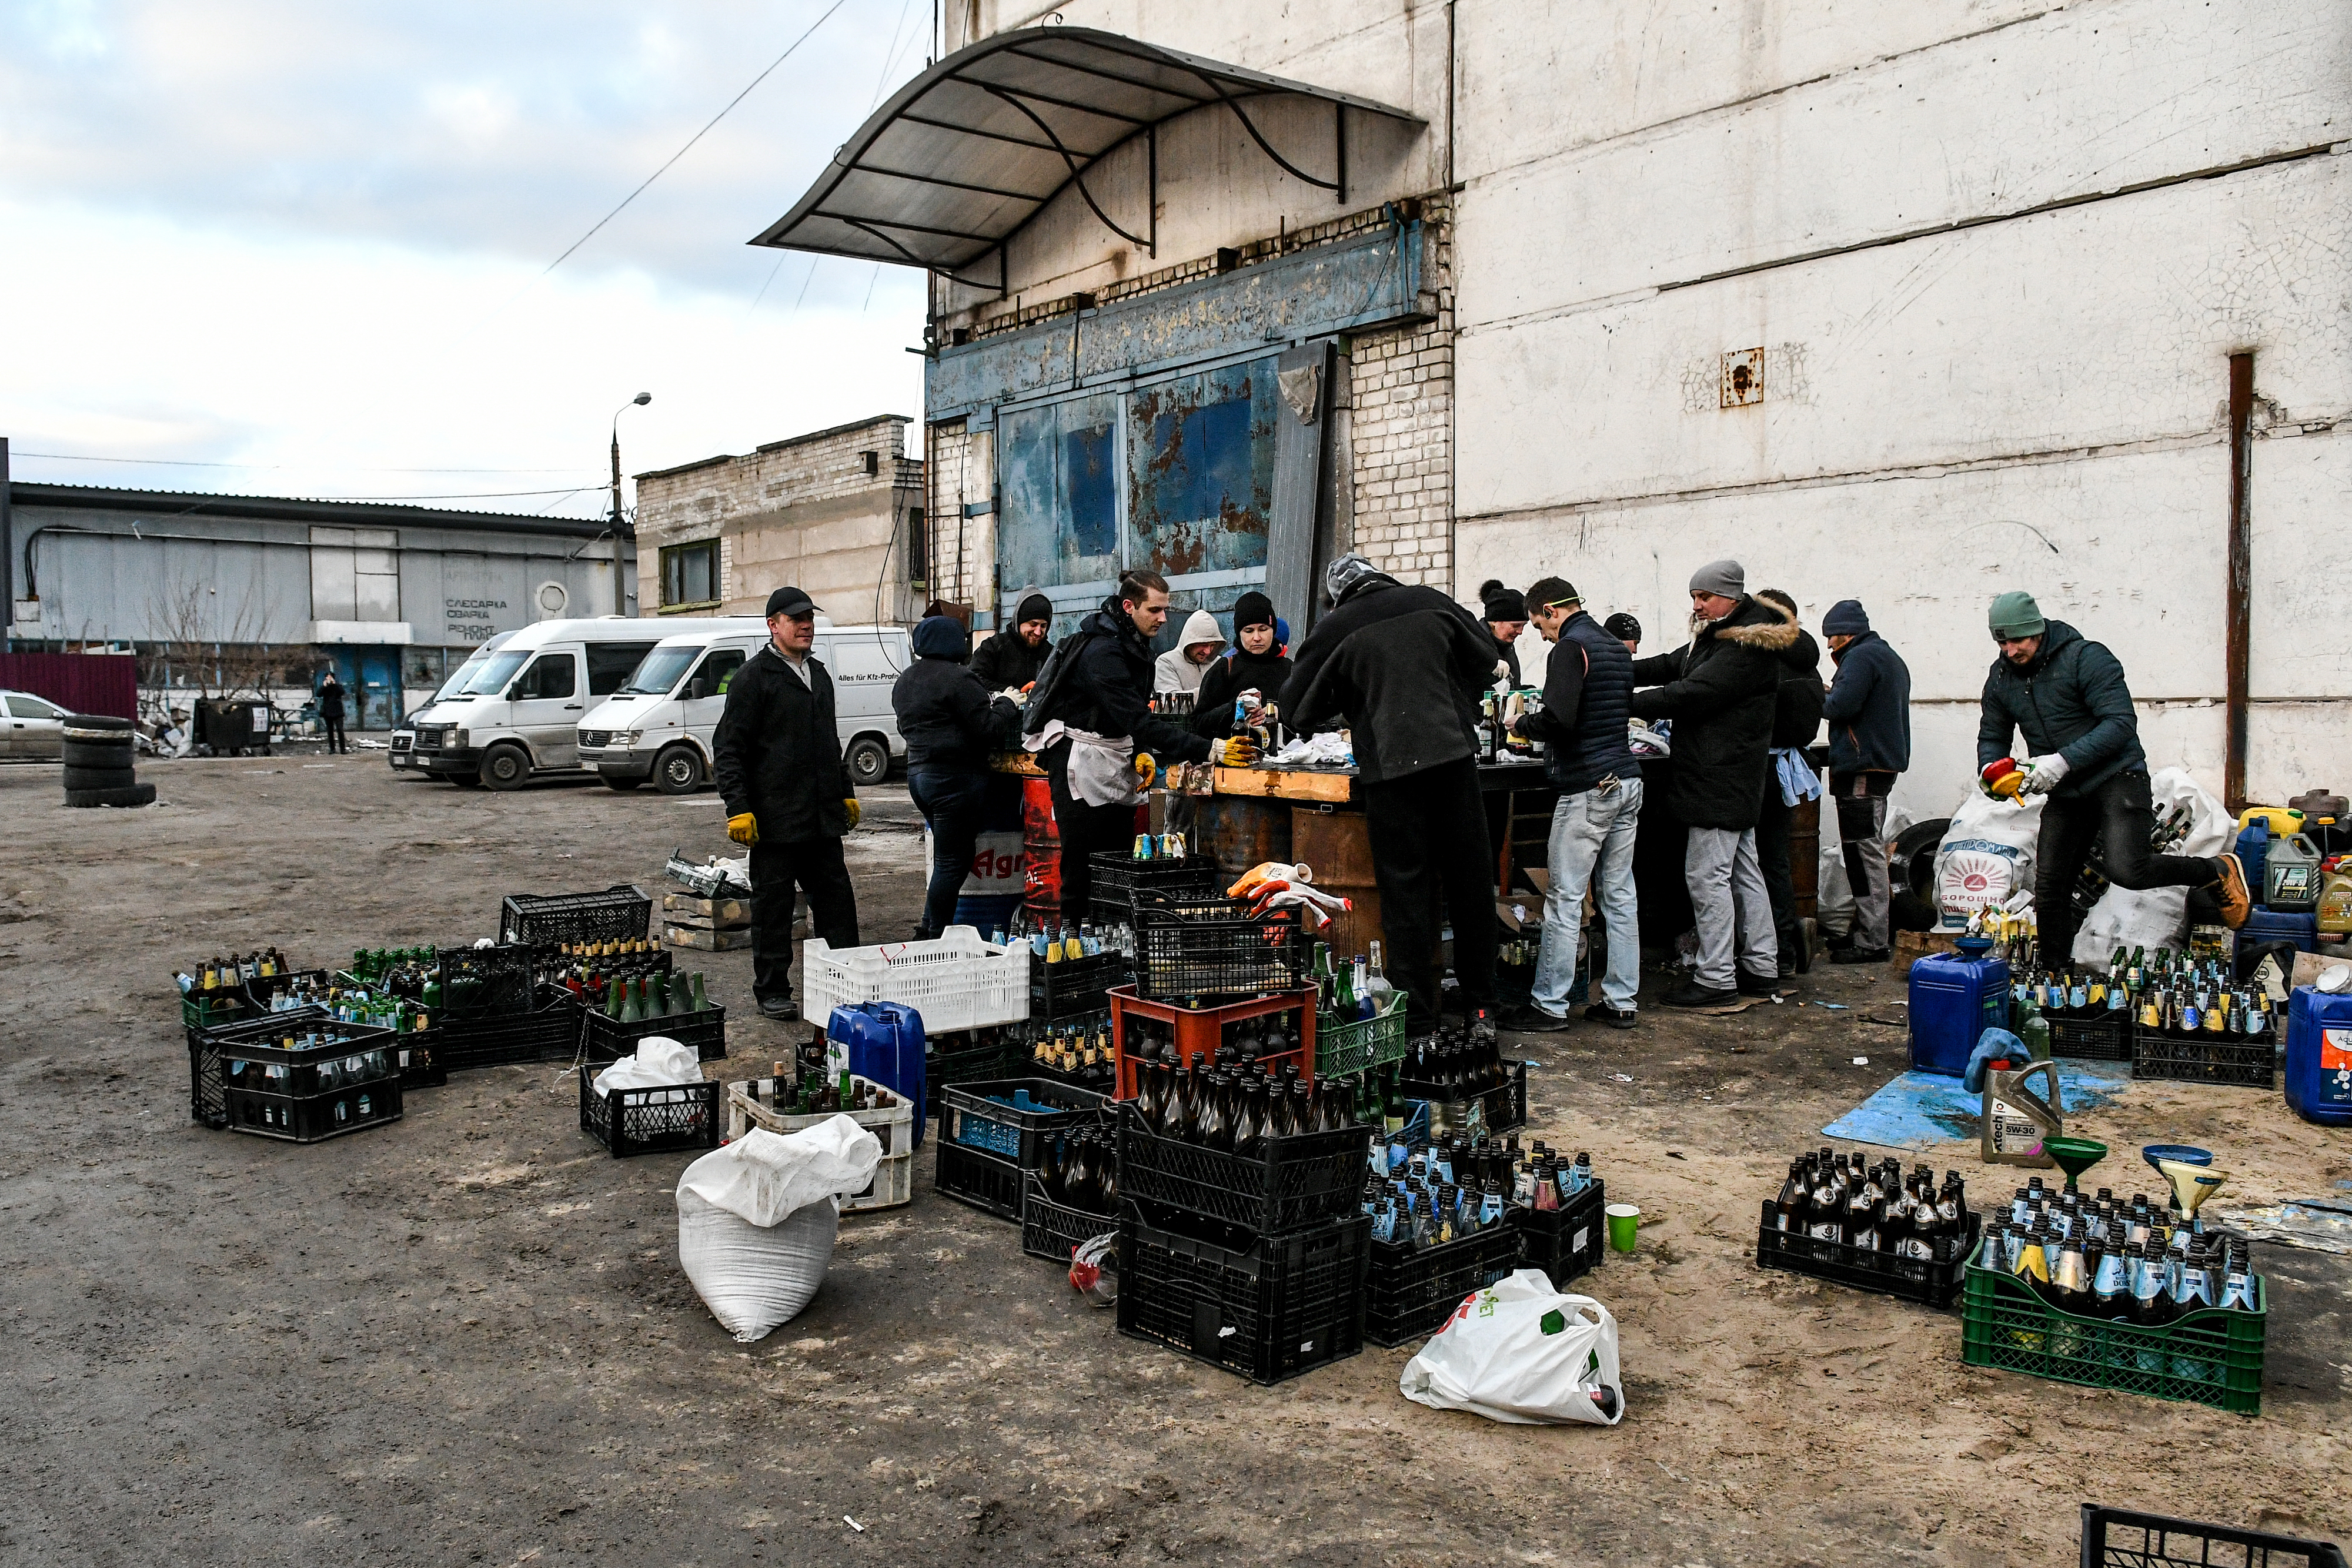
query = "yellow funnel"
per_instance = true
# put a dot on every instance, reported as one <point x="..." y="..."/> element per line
<point x="2191" y="1184"/>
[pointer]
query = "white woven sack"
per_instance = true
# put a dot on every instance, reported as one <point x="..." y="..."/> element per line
<point x="756" y="1219"/>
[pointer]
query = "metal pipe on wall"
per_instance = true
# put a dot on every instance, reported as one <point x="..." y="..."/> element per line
<point x="2238" y="613"/>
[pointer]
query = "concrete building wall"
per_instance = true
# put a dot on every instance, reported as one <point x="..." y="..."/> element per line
<point x="804" y="511"/>
<point x="1995" y="257"/>
<point x="1990" y="257"/>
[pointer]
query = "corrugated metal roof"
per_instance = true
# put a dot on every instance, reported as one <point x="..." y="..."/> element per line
<point x="193" y="506"/>
<point x="962" y="156"/>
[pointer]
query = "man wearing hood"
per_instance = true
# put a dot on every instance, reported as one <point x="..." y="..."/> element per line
<point x="1869" y="712"/>
<point x="1010" y="660"/>
<point x="1403" y="668"/>
<point x="2067" y="696"/>
<point x="1089" y="720"/>
<point x="1182" y="667"/>
<point x="1721" y="689"/>
<point x="950" y="725"/>
<point x="1255" y="663"/>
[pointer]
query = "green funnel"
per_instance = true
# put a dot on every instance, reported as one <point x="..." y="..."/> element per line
<point x="2074" y="1156"/>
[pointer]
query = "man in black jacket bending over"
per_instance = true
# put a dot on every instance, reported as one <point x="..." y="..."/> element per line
<point x="1089" y="720"/>
<point x="1721" y="688"/>
<point x="777" y="760"/>
<point x="1403" y="667"/>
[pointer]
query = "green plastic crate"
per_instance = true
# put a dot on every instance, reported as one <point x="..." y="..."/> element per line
<point x="2210" y="1357"/>
<point x="1342" y="1050"/>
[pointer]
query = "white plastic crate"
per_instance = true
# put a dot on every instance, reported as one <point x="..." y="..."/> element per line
<point x="956" y="980"/>
<point x="894" y="1179"/>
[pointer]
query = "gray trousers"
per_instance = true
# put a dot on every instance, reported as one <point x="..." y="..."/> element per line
<point x="1728" y="897"/>
<point x="1862" y="835"/>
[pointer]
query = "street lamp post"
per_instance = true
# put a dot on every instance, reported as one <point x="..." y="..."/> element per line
<point x="620" y="589"/>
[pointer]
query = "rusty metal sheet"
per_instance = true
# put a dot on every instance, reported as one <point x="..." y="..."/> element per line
<point x="1200" y="470"/>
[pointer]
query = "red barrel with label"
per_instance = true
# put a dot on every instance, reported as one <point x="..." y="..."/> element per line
<point x="1040" y="852"/>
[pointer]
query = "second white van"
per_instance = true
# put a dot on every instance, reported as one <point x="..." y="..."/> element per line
<point x="659" y="725"/>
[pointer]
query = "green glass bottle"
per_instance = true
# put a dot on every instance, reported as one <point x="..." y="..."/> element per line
<point x="701" y="999"/>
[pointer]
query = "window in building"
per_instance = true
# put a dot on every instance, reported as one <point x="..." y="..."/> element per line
<point x="689" y="573"/>
<point x="609" y="665"/>
<point x="917" y="548"/>
<point x="354" y="574"/>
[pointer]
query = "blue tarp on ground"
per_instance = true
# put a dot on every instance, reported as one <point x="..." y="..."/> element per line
<point x="1919" y="1110"/>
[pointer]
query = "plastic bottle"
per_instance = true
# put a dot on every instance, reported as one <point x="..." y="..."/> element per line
<point x="2292" y="874"/>
<point x="2335" y="909"/>
<point x="2016" y="1120"/>
<point x="1955" y="997"/>
<point x="2318" y="1077"/>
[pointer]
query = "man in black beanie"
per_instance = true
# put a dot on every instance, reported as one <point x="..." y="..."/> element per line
<point x="1505" y="612"/>
<point x="1012" y="658"/>
<point x="1253" y="664"/>
<point x="1869" y="712"/>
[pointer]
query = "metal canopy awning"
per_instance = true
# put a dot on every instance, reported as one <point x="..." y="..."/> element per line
<point x="966" y="154"/>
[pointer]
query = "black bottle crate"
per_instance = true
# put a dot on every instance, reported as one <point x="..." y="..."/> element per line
<point x="1501" y="1109"/>
<point x="1075" y="988"/>
<point x="943" y="1070"/>
<point x="1053" y="1231"/>
<point x="550" y="1032"/>
<point x="486" y="982"/>
<point x="1116" y="875"/>
<point x="2093" y="1039"/>
<point x="980" y="1116"/>
<point x="604" y="1040"/>
<point x="1566" y="1241"/>
<point x="1933" y="1282"/>
<point x="986" y="1182"/>
<point x="1410" y="1291"/>
<point x="240" y="1078"/>
<point x="619" y="913"/>
<point x="1213" y="947"/>
<point x="2117" y="1538"/>
<point x="1290" y="1185"/>
<point x="651" y="1120"/>
<point x="2230" y="1059"/>
<point x="1264" y="1307"/>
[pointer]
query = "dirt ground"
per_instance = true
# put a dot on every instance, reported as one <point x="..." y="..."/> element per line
<point x="465" y="1338"/>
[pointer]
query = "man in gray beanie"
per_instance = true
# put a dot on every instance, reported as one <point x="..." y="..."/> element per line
<point x="1869" y="713"/>
<point x="1720" y="689"/>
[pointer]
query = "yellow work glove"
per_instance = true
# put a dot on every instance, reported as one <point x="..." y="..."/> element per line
<point x="743" y="828"/>
<point x="850" y="806"/>
<point x="1146" y="770"/>
<point x="1238" y="752"/>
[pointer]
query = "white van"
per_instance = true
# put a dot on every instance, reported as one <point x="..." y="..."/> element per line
<point x="659" y="725"/>
<point x="516" y="710"/>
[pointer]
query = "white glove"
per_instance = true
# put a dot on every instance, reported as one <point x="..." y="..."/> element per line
<point x="2042" y="774"/>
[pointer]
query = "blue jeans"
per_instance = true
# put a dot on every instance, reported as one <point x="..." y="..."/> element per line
<point x="954" y="802"/>
<point x="1588" y="831"/>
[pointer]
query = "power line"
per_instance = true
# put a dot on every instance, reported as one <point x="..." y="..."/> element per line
<point x="698" y="136"/>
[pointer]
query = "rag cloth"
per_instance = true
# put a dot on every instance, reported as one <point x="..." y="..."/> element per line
<point x="1798" y="782"/>
<point x="1102" y="767"/>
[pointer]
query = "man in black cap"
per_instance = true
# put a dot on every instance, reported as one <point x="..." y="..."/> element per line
<point x="1626" y="630"/>
<point x="1011" y="659"/>
<point x="1869" y="712"/>
<point x="1505" y="612"/>
<point x="777" y="760"/>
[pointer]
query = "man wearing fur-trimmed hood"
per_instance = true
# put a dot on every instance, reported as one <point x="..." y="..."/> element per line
<point x="1719" y="689"/>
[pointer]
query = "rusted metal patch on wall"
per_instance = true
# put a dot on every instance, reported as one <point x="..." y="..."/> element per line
<point x="1200" y="470"/>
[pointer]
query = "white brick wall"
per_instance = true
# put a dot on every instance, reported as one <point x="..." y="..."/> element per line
<point x="1400" y="386"/>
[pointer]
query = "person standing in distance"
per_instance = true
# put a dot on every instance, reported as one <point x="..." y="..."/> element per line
<point x="776" y="757"/>
<point x="330" y="711"/>
<point x="1504" y="613"/>
<point x="2068" y="696"/>
<point x="1721" y="689"/>
<point x="951" y="725"/>
<point x="1869" y="712"/>
<point x="1010" y="660"/>
<point x="1588" y="693"/>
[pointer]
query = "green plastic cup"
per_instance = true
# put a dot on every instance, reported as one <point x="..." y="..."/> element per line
<point x="1624" y="1221"/>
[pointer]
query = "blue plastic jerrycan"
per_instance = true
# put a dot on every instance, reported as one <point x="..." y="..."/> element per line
<point x="1955" y="997"/>
<point x="2319" y="1056"/>
<point x="883" y="1041"/>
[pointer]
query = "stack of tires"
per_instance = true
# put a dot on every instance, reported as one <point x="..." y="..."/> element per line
<point x="98" y="763"/>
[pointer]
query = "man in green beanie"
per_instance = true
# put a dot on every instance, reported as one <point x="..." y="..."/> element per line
<point x="2067" y="696"/>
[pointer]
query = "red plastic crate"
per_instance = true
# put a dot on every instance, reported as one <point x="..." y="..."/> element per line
<point x="1199" y="1030"/>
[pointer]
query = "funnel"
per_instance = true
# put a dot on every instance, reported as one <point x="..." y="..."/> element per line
<point x="2186" y="1154"/>
<point x="2074" y="1156"/>
<point x="2191" y="1184"/>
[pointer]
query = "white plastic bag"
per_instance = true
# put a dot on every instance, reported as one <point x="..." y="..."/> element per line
<point x="1986" y="856"/>
<point x="659" y="1063"/>
<point x="756" y="1219"/>
<point x="1521" y="1352"/>
<point x="2157" y="917"/>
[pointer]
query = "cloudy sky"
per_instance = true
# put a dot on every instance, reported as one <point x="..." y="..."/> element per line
<point x="308" y="239"/>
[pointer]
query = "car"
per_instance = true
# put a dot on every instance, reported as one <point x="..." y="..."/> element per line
<point x="32" y="729"/>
